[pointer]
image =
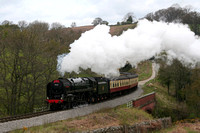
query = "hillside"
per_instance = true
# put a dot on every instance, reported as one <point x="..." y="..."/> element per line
<point x="114" y="30"/>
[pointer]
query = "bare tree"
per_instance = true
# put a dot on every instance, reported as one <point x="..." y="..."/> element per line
<point x="129" y="17"/>
<point x="73" y="24"/>
<point x="7" y="22"/>
<point x="39" y="28"/>
<point x="150" y="16"/>
<point x="57" y="25"/>
<point x="104" y="22"/>
<point x="22" y="24"/>
<point x="97" y="21"/>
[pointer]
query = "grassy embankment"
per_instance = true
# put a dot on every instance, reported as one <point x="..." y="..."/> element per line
<point x="120" y="115"/>
<point x="144" y="70"/>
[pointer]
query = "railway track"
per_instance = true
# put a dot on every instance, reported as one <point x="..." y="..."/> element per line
<point x="24" y="116"/>
<point x="30" y="115"/>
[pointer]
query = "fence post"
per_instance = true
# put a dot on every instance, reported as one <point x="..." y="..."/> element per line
<point x="125" y="128"/>
<point x="130" y="104"/>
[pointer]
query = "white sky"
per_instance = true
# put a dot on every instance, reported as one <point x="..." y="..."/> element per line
<point x="83" y="12"/>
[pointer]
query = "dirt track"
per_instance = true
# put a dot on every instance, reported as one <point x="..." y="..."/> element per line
<point x="141" y="83"/>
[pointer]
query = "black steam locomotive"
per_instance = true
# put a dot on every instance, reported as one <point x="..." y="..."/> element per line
<point x="69" y="92"/>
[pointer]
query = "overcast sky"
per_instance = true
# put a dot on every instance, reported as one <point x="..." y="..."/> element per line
<point x="83" y="12"/>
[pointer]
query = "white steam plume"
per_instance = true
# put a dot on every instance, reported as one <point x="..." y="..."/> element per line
<point x="104" y="54"/>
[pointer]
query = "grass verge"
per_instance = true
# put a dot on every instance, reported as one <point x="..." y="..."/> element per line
<point x="120" y="115"/>
<point x="144" y="70"/>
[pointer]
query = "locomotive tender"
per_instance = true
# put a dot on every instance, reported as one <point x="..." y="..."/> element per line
<point x="69" y="92"/>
